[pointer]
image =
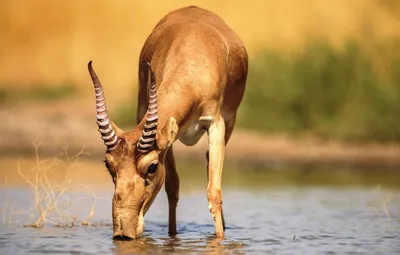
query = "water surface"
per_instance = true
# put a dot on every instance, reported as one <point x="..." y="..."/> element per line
<point x="288" y="211"/>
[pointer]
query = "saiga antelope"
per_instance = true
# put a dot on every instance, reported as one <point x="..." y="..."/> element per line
<point x="197" y="68"/>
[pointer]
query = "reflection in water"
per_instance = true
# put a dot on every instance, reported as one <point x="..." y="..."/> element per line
<point x="173" y="244"/>
<point x="278" y="212"/>
<point x="139" y="246"/>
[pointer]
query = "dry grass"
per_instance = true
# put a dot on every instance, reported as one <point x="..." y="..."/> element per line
<point x="382" y="204"/>
<point x="53" y="198"/>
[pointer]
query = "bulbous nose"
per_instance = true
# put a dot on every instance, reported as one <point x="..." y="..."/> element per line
<point x="125" y="224"/>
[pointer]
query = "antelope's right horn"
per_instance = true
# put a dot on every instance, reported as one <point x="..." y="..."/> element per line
<point x="148" y="137"/>
<point x="106" y="130"/>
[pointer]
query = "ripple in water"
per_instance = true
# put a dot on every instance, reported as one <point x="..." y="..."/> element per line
<point x="276" y="221"/>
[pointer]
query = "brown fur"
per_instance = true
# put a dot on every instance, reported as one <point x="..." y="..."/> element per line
<point x="200" y="66"/>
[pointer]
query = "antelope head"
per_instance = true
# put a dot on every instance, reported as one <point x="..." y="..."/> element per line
<point x="134" y="161"/>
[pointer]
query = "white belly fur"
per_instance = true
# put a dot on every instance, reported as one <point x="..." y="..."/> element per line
<point x="196" y="130"/>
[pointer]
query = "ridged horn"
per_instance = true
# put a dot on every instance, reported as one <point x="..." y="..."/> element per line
<point x="148" y="137"/>
<point x="106" y="130"/>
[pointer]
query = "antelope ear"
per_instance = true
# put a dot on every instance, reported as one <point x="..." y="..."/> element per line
<point x="172" y="131"/>
<point x="117" y="130"/>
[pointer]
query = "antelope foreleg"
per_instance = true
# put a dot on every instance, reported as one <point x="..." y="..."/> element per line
<point x="172" y="189"/>
<point x="216" y="148"/>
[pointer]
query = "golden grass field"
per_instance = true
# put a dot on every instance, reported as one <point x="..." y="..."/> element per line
<point x="51" y="41"/>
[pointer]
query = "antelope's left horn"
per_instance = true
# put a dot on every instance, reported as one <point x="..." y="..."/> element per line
<point x="106" y="130"/>
<point x="148" y="137"/>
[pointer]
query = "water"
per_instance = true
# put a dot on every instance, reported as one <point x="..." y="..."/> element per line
<point x="266" y="212"/>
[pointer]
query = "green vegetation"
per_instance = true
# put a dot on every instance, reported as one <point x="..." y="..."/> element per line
<point x="349" y="93"/>
<point x="344" y="94"/>
<point x="125" y="114"/>
<point x="39" y="92"/>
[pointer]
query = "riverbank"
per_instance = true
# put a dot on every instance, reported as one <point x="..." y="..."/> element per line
<point x="71" y="125"/>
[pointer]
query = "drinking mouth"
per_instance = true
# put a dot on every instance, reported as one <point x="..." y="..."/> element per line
<point x="121" y="237"/>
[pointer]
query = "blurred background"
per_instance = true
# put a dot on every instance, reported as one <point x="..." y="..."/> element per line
<point x="312" y="164"/>
<point x="323" y="85"/>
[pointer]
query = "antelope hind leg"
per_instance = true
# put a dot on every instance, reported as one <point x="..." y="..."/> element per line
<point x="216" y="153"/>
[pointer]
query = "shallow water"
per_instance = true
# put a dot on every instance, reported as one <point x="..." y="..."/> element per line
<point x="266" y="212"/>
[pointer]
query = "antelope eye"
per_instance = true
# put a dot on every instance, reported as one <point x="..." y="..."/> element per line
<point x="152" y="168"/>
